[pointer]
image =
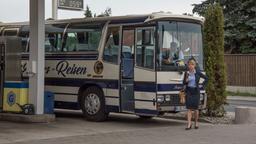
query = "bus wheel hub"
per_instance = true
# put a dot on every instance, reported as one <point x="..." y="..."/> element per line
<point x="92" y="104"/>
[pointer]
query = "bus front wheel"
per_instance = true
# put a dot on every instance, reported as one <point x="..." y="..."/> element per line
<point x="93" y="104"/>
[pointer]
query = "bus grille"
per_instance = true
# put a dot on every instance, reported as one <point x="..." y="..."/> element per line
<point x="175" y="101"/>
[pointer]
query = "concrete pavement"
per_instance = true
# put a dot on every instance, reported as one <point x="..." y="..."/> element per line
<point x="165" y="135"/>
<point x="73" y="124"/>
<point x="71" y="128"/>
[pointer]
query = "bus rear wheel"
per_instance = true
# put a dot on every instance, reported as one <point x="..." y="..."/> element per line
<point x="93" y="104"/>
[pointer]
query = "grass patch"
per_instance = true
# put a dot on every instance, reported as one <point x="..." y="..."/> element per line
<point x="240" y="94"/>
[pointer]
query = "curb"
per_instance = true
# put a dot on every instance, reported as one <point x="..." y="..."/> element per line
<point x="241" y="98"/>
<point x="184" y="118"/>
<point x="44" y="118"/>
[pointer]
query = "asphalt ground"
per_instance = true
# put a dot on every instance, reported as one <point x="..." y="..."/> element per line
<point x="71" y="128"/>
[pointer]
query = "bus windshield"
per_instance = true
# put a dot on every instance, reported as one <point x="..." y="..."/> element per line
<point x="178" y="41"/>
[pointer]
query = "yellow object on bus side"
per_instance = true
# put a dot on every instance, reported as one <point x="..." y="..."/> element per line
<point x="15" y="92"/>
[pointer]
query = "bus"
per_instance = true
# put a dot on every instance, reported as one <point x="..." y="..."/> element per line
<point x="125" y="64"/>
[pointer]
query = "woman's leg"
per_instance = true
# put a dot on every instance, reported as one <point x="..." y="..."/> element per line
<point x="196" y="117"/>
<point x="189" y="117"/>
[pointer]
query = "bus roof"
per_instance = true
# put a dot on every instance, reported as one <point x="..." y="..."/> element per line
<point x="119" y="19"/>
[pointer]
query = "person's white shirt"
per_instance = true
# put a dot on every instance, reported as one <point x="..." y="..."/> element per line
<point x="181" y="55"/>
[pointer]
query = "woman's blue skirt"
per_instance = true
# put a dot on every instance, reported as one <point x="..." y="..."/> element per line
<point x="192" y="98"/>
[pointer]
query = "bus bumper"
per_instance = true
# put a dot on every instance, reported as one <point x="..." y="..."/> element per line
<point x="171" y="103"/>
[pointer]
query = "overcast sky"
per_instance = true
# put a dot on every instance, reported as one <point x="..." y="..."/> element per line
<point x="18" y="10"/>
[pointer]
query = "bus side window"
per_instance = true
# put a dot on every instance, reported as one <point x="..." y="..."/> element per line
<point x="24" y="35"/>
<point x="10" y="32"/>
<point x="70" y="42"/>
<point x="1" y="29"/>
<point x="47" y="44"/>
<point x="82" y="37"/>
<point x="145" y="45"/>
<point x="53" y="37"/>
<point x="112" y="45"/>
<point x="25" y="42"/>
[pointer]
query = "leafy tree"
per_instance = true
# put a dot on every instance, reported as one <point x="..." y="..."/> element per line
<point x="88" y="12"/>
<point x="106" y="13"/>
<point x="202" y="8"/>
<point x="240" y="23"/>
<point x="214" y="59"/>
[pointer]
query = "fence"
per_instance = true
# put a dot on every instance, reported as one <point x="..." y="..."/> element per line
<point x="241" y="69"/>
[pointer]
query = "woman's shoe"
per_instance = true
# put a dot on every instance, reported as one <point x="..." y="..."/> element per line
<point x="196" y="126"/>
<point x="188" y="128"/>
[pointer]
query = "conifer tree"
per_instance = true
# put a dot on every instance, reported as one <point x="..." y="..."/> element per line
<point x="214" y="60"/>
<point x="88" y="12"/>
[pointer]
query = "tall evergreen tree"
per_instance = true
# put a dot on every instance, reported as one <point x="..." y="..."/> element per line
<point x="214" y="59"/>
<point x="88" y="12"/>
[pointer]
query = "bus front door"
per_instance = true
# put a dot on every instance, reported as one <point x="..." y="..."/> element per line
<point x="127" y="71"/>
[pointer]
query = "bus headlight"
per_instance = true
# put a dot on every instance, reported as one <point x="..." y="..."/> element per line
<point x="160" y="98"/>
<point x="167" y="98"/>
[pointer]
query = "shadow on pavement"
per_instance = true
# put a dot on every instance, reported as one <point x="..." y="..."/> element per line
<point x="119" y="118"/>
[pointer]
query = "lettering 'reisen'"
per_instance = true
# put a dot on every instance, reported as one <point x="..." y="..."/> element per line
<point x="63" y="68"/>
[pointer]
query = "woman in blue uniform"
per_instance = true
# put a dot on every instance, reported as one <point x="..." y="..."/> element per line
<point x="191" y="83"/>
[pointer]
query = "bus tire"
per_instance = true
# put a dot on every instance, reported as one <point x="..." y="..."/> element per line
<point x="145" y="117"/>
<point x="161" y="113"/>
<point x="93" y="104"/>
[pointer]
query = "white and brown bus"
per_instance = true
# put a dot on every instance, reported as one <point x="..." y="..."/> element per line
<point x="129" y="64"/>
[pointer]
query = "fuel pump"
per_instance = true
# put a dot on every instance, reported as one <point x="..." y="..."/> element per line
<point x="13" y="91"/>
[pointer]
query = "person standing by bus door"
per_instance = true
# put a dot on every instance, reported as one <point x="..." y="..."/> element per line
<point x="191" y="83"/>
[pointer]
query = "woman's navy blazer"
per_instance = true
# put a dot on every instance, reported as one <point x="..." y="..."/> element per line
<point x="198" y="75"/>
